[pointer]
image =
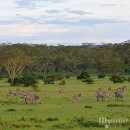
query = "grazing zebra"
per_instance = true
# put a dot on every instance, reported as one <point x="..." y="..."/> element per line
<point x="77" y="97"/>
<point x="11" y="94"/>
<point x="99" y="95"/>
<point x="63" y="91"/>
<point x="119" y="94"/>
<point x="103" y="95"/>
<point x="26" y="96"/>
<point x="32" y="97"/>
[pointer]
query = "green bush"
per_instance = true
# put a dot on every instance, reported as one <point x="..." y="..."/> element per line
<point x="1" y="77"/>
<point x="58" y="76"/>
<point x="67" y="76"/>
<point x="50" y="79"/>
<point x="38" y="75"/>
<point x="101" y="75"/>
<point x="52" y="119"/>
<point x="11" y="110"/>
<point x="83" y="75"/>
<point x="26" y="80"/>
<point x="88" y="80"/>
<point x="116" y="78"/>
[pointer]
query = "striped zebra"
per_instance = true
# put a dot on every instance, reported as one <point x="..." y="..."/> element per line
<point x="11" y="94"/>
<point x="120" y="92"/>
<point x="103" y="95"/>
<point x="26" y="96"/>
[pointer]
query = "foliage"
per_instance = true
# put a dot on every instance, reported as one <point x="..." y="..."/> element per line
<point x="88" y="80"/>
<point x="14" y="61"/>
<point x="83" y="75"/>
<point x="117" y="78"/>
<point x="128" y="79"/>
<point x="38" y="75"/>
<point x="26" y="80"/>
<point x="101" y="75"/>
<point x="58" y="76"/>
<point x="52" y="119"/>
<point x="50" y="79"/>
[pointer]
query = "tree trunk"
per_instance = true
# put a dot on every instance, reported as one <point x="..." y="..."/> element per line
<point x="12" y="82"/>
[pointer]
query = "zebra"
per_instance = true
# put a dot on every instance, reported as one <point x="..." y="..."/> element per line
<point x="99" y="95"/>
<point x="119" y="94"/>
<point x="32" y="97"/>
<point x="11" y="94"/>
<point x="103" y="95"/>
<point x="77" y="97"/>
<point x="63" y="91"/>
<point x="26" y="96"/>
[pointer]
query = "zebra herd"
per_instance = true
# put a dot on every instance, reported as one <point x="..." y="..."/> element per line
<point x="107" y="95"/>
<point x="101" y="95"/>
<point x="25" y="96"/>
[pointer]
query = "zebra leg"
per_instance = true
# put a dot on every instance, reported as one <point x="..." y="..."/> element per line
<point x="25" y="101"/>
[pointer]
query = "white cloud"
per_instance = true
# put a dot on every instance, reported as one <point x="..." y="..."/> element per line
<point x="94" y="17"/>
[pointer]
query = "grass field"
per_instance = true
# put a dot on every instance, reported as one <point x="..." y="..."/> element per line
<point x="59" y="111"/>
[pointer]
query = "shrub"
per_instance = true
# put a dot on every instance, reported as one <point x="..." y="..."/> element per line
<point x="62" y="82"/>
<point x="50" y="79"/>
<point x="38" y="75"/>
<point x="1" y="77"/>
<point x="58" y="76"/>
<point x="88" y="107"/>
<point x="101" y="75"/>
<point x="28" y="80"/>
<point x="116" y="78"/>
<point x="67" y="76"/>
<point x="83" y="75"/>
<point x="17" y="81"/>
<point x="11" y="110"/>
<point x="52" y="119"/>
<point x="88" y="80"/>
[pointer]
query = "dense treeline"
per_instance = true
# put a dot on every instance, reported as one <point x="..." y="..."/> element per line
<point x="105" y="58"/>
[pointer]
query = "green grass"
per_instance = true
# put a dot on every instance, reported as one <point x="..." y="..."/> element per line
<point x="59" y="111"/>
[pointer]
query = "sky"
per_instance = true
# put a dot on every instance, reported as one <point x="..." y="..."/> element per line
<point x="68" y="22"/>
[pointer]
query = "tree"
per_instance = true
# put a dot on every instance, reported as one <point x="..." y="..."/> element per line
<point x="14" y="61"/>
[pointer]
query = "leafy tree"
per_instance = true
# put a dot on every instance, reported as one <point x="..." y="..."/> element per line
<point x="14" y="61"/>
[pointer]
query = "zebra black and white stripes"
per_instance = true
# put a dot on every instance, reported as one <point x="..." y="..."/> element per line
<point x="26" y="96"/>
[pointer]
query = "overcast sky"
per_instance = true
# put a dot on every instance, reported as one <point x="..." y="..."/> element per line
<point x="64" y="21"/>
